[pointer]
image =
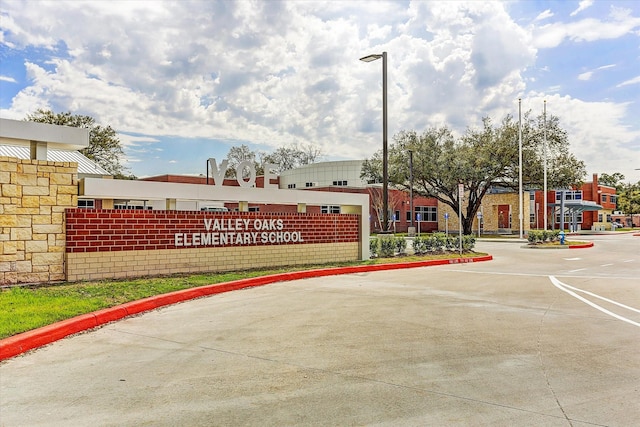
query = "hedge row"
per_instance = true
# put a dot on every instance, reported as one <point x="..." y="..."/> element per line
<point x="541" y="236"/>
<point x="388" y="246"/>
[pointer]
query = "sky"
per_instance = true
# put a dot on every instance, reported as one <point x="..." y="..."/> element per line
<point x="185" y="81"/>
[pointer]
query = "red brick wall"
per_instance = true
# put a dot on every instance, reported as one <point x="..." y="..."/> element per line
<point x="101" y="230"/>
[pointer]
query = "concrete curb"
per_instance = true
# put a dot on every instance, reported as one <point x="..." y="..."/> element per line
<point x="584" y="245"/>
<point x="580" y="246"/>
<point x="20" y="343"/>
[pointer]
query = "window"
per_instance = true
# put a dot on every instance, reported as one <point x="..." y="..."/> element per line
<point x="396" y="216"/>
<point x="132" y="207"/>
<point x="330" y="209"/>
<point x="604" y="198"/>
<point x="340" y="183"/>
<point x="569" y="195"/>
<point x="255" y="208"/>
<point x="613" y="198"/>
<point x="567" y="218"/>
<point x="599" y="217"/>
<point x="426" y="213"/>
<point x="532" y="218"/>
<point x="408" y="216"/>
<point x="309" y="184"/>
<point x="291" y="186"/>
<point x="86" y="204"/>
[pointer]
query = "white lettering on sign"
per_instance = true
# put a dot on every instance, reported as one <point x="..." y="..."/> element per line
<point x="239" y="231"/>
<point x="218" y="173"/>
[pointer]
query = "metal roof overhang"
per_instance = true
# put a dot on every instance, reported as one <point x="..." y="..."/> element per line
<point x="578" y="206"/>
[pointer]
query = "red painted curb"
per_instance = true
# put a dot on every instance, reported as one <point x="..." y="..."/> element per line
<point x="585" y="245"/>
<point x="20" y="343"/>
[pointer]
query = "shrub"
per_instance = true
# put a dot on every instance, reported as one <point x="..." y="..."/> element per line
<point x="544" y="235"/>
<point x="401" y="245"/>
<point x="374" y="247"/>
<point x="439" y="242"/>
<point x="419" y="245"/>
<point x="387" y="246"/>
<point x="451" y="243"/>
<point x="468" y="243"/>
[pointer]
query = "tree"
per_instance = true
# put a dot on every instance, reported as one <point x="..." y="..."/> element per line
<point x="293" y="156"/>
<point x="377" y="203"/>
<point x="479" y="159"/>
<point x="285" y="158"/>
<point x="237" y="155"/>
<point x="104" y="146"/>
<point x="614" y="180"/>
<point x="629" y="199"/>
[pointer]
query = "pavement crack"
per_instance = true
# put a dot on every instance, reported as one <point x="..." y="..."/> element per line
<point x="543" y="365"/>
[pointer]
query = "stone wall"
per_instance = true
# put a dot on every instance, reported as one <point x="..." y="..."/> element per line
<point x="489" y="209"/>
<point x="33" y="197"/>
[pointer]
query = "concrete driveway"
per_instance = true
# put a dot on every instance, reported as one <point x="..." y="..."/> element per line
<point x="532" y="338"/>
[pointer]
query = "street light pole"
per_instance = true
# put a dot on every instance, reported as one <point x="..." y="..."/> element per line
<point x="411" y="185"/>
<point x="521" y="216"/>
<point x="544" y="155"/>
<point x="385" y="171"/>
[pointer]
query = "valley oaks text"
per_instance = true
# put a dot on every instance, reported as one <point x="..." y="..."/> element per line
<point x="239" y="231"/>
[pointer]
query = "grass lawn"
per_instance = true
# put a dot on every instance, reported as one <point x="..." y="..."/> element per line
<point x="26" y="308"/>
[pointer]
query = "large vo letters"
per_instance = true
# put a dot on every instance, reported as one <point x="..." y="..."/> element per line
<point x="219" y="173"/>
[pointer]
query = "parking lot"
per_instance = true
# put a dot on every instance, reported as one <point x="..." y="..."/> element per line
<point x="532" y="338"/>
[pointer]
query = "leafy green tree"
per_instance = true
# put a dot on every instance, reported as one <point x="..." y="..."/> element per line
<point x="629" y="199"/>
<point x="615" y="180"/>
<point x="479" y="159"/>
<point x="104" y="146"/>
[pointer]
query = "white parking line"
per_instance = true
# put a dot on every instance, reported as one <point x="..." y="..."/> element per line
<point x="579" y="269"/>
<point x="628" y="260"/>
<point x="567" y="288"/>
<point x="606" y="265"/>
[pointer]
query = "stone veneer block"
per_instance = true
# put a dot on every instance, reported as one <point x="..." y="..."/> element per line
<point x="33" y="237"/>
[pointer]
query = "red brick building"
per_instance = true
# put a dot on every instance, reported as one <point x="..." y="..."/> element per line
<point x="593" y="205"/>
<point x="399" y="203"/>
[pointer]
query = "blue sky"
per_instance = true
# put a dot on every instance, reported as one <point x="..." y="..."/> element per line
<point x="184" y="81"/>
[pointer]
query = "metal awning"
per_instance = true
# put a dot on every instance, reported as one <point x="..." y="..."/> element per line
<point x="578" y="205"/>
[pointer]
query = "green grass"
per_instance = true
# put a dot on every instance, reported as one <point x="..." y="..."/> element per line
<point x="26" y="308"/>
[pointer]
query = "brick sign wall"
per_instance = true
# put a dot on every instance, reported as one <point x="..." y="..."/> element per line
<point x="127" y="243"/>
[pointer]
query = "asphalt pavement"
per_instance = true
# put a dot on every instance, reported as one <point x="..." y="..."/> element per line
<point x="532" y="338"/>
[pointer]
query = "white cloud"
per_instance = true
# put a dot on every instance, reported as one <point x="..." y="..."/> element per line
<point x="633" y="81"/>
<point x="585" y="76"/>
<point x="584" y="4"/>
<point x="273" y="73"/>
<point x="619" y="23"/>
<point x="544" y="15"/>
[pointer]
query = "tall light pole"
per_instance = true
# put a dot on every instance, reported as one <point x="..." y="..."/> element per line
<point x="544" y="155"/>
<point x="520" y="163"/>
<point x="385" y="171"/>
<point x="411" y="186"/>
